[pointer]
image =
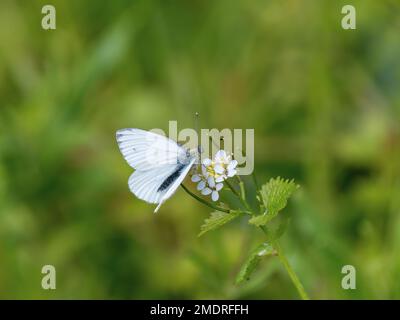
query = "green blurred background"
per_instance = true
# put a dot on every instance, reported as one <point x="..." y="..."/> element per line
<point x="324" y="103"/>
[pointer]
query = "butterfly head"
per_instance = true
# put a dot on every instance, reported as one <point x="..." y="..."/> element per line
<point x="195" y="153"/>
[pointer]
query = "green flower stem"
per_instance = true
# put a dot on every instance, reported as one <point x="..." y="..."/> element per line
<point x="256" y="185"/>
<point x="232" y="189"/>
<point x="253" y="175"/>
<point x="212" y="206"/>
<point x="242" y="200"/>
<point x="241" y="186"/>
<point x="290" y="271"/>
<point x="275" y="244"/>
<point x="279" y="250"/>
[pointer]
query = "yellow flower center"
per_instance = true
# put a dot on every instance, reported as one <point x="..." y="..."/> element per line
<point x="211" y="171"/>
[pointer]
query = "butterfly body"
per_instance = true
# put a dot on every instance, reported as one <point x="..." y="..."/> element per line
<point x="160" y="164"/>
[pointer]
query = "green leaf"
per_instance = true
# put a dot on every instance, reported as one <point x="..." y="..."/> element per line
<point x="276" y="229"/>
<point x="252" y="261"/>
<point x="274" y="196"/>
<point x="260" y="220"/>
<point x="216" y="220"/>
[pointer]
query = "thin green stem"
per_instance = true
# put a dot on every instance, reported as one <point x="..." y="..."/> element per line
<point x="253" y="175"/>
<point x="256" y="185"/>
<point x="212" y="206"/>
<point x="236" y="193"/>
<point x="242" y="197"/>
<point x="290" y="271"/>
<point x="232" y="188"/>
<point x="242" y="189"/>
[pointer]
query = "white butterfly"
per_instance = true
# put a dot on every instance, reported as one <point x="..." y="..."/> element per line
<point x="160" y="164"/>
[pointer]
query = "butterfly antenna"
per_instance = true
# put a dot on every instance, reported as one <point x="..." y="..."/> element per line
<point x="197" y="129"/>
<point x="196" y="122"/>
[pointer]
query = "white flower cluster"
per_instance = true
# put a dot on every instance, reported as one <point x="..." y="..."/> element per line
<point x="213" y="173"/>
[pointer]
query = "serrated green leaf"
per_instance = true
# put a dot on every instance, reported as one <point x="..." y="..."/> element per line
<point x="274" y="196"/>
<point x="216" y="220"/>
<point x="252" y="261"/>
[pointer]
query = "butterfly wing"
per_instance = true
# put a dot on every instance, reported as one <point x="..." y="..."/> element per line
<point x="160" y="163"/>
<point x="144" y="150"/>
<point x="159" y="184"/>
<point x="174" y="181"/>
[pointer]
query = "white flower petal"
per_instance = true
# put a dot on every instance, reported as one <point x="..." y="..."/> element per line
<point x="201" y="185"/>
<point x="196" y="178"/>
<point x="219" y="179"/>
<point x="232" y="165"/>
<point x="231" y="173"/>
<point x="214" y="196"/>
<point x="206" y="191"/>
<point x="204" y="171"/>
<point x="207" y="162"/>
<point x="219" y="169"/>
<point x="219" y="186"/>
<point x="220" y="156"/>
<point x="211" y="182"/>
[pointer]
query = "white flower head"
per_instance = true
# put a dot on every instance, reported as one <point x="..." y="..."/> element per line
<point x="213" y="173"/>
<point x="224" y="165"/>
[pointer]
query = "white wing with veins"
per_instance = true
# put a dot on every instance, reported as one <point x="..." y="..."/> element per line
<point x="160" y="164"/>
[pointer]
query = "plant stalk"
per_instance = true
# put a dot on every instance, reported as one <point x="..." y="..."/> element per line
<point x="278" y="248"/>
<point x="208" y="204"/>
<point x="236" y="193"/>
<point x="290" y="271"/>
<point x="275" y="244"/>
